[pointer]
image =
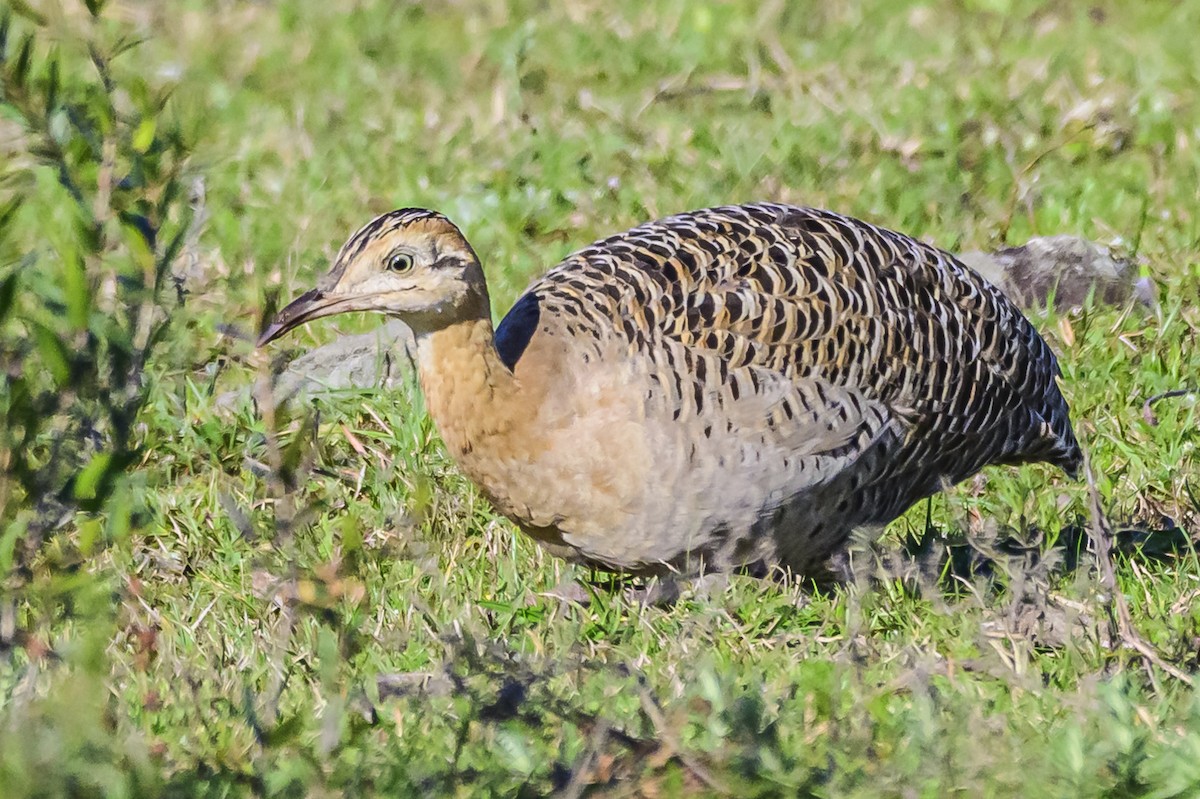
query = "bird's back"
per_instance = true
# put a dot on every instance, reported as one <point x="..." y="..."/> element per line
<point x="870" y="365"/>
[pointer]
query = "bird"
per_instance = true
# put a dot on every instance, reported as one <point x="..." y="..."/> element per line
<point x="735" y="387"/>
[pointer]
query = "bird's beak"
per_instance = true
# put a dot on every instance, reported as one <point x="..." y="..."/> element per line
<point x="308" y="306"/>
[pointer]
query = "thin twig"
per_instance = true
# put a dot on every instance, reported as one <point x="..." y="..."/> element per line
<point x="587" y="761"/>
<point x="1147" y="411"/>
<point x="654" y="713"/>
<point x="1119" y="616"/>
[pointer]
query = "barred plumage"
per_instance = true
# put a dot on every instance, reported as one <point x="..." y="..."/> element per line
<point x="735" y="385"/>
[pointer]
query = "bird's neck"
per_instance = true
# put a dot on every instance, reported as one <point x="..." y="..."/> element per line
<point x="469" y="392"/>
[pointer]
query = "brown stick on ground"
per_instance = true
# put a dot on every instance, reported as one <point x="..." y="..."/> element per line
<point x="1148" y="410"/>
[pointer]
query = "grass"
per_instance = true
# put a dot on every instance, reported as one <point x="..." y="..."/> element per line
<point x="252" y="619"/>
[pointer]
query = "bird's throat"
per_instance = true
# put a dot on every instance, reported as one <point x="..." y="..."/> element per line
<point x="471" y="395"/>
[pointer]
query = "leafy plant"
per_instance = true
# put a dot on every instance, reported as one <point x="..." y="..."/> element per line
<point x="96" y="167"/>
<point x="83" y="306"/>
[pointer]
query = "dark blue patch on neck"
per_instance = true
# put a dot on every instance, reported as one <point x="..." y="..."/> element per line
<point x="517" y="328"/>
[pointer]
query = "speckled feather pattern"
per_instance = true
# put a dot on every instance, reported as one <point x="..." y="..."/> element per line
<point x="812" y="370"/>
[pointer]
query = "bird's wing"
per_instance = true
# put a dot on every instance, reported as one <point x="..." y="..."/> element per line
<point x="809" y="428"/>
<point x="835" y="307"/>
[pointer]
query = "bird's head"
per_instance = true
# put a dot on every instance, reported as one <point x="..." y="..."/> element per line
<point x="412" y="263"/>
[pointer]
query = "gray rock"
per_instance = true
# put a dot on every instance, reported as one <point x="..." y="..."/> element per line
<point x="379" y="358"/>
<point x="1068" y="267"/>
<point x="376" y="359"/>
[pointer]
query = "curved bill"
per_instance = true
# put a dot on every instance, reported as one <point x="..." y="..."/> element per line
<point x="308" y="306"/>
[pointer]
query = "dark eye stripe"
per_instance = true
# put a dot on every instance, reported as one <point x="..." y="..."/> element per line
<point x="448" y="261"/>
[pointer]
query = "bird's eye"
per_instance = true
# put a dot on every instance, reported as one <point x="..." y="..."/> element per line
<point x="400" y="262"/>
